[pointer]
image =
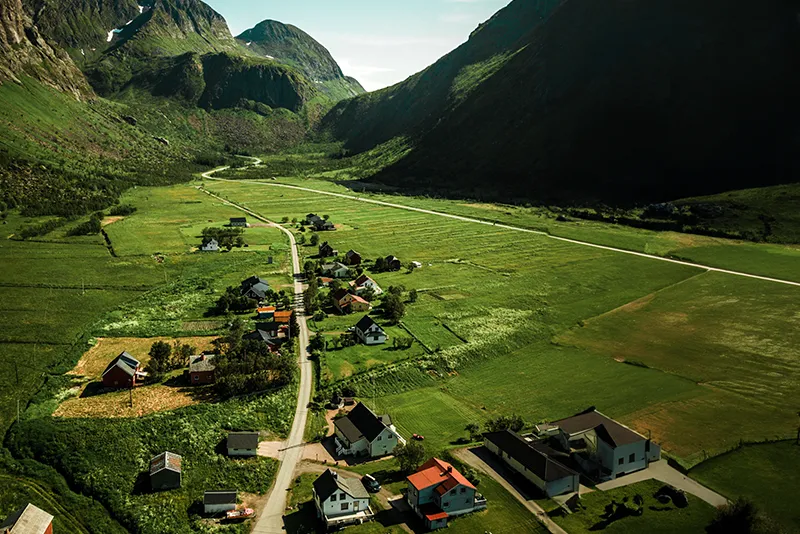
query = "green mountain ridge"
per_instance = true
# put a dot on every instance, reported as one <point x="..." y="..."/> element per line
<point x="612" y="101"/>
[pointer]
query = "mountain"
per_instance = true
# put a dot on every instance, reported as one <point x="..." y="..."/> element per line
<point x="616" y="101"/>
<point x="23" y="52"/>
<point x="292" y="46"/>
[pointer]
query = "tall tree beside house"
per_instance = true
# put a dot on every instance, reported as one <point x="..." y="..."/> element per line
<point x="393" y="307"/>
<point x="310" y="296"/>
<point x="160" y="359"/>
<point x="474" y="430"/>
<point x="314" y="240"/>
<point x="510" y="422"/>
<point x="410" y="456"/>
<point x="181" y="352"/>
<point x="742" y="516"/>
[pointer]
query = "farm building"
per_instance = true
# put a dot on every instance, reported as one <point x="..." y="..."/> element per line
<point x="284" y="317"/>
<point x="266" y="313"/>
<point x="29" y="519"/>
<point x="368" y="331"/>
<point x="393" y="263"/>
<point x="352" y="258"/>
<point x="242" y="443"/>
<point x="216" y="502"/>
<point x="165" y="471"/>
<point x="240" y="222"/>
<point x="532" y="461"/>
<point x="437" y="492"/>
<point x="326" y="250"/>
<point x="340" y="501"/>
<point x="604" y="448"/>
<point x="254" y="288"/>
<point x="201" y="369"/>
<point x="362" y="433"/>
<point x="319" y="223"/>
<point x="346" y="302"/>
<point x="264" y="332"/>
<point x="363" y="284"/>
<point x="335" y="270"/>
<point x="210" y="245"/>
<point x="123" y="372"/>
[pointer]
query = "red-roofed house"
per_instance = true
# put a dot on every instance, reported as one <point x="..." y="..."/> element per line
<point x="437" y="492"/>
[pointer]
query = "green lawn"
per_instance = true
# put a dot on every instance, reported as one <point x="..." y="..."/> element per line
<point x="768" y="474"/>
<point x="656" y="519"/>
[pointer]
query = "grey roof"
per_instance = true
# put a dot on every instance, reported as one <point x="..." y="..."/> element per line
<point x="611" y="432"/>
<point x="335" y="266"/>
<point x="165" y="460"/>
<point x="535" y="460"/>
<point x="29" y="519"/>
<point x="238" y="219"/>
<point x="360" y="422"/>
<point x="243" y="440"/>
<point x="330" y="482"/>
<point x="260" y="335"/>
<point x="124" y="361"/>
<point x="203" y="362"/>
<point x="220" y="497"/>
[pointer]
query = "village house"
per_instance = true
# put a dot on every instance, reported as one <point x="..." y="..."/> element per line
<point x="340" y="501"/>
<point x="324" y="281"/>
<point x="346" y="302"/>
<point x="319" y="223"/>
<point x="217" y="502"/>
<point x="362" y="433"/>
<point x="165" y="471"/>
<point x="29" y="519"/>
<point x="242" y="443"/>
<point x="335" y="270"/>
<point x="266" y="313"/>
<point x="533" y="460"/>
<point x="326" y="250"/>
<point x="393" y="263"/>
<point x="604" y="448"/>
<point x="363" y="284"/>
<point x="254" y="288"/>
<point x="368" y="331"/>
<point x="123" y="372"/>
<point x="352" y="258"/>
<point x="201" y="369"/>
<point x="265" y="332"/>
<point x="210" y="245"/>
<point x="240" y="222"/>
<point x="437" y="492"/>
<point x="283" y="317"/>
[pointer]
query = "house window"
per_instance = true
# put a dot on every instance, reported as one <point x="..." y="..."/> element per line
<point x="196" y="378"/>
<point x="463" y="489"/>
<point x="333" y="498"/>
<point x="345" y="506"/>
<point x="632" y="458"/>
<point x="621" y="461"/>
<point x="445" y="505"/>
<point x="379" y="438"/>
<point x="341" y="496"/>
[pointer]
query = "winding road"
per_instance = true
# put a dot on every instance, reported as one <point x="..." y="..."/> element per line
<point x="270" y="520"/>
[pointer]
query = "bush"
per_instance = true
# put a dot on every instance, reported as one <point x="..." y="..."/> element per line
<point x="90" y="227"/>
<point x="36" y="230"/>
<point x="122" y="210"/>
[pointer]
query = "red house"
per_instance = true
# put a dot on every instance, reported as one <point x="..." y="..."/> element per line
<point x="28" y="520"/>
<point x="201" y="369"/>
<point x="123" y="372"/>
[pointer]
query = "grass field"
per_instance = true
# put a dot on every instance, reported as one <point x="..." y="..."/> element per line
<point x="768" y="474"/>
<point x="517" y="298"/>
<point x="656" y="519"/>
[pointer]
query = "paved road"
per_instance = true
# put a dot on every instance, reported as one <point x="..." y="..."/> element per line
<point x="270" y="521"/>
<point x="662" y="472"/>
<point x="468" y="457"/>
<point x="508" y="227"/>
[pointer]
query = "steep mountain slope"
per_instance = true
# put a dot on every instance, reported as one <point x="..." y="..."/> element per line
<point x="23" y="52"/>
<point x="292" y="46"/>
<point x="610" y="100"/>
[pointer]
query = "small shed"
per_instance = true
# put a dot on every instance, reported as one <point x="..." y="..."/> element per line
<point x="210" y="245"/>
<point x="165" y="471"/>
<point x="240" y="222"/>
<point x="217" y="502"/>
<point x="202" y="369"/>
<point x="242" y="443"/>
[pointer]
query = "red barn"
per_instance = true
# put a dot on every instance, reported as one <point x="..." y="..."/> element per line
<point x="201" y="369"/>
<point x="123" y="372"/>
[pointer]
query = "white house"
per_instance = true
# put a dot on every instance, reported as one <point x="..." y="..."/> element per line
<point x="341" y="501"/>
<point x="369" y="332"/>
<point x="362" y="433"/>
<point x="212" y="245"/>
<point x="604" y="447"/>
<point x="335" y="270"/>
<point x="533" y="461"/>
<point x="216" y="502"/>
<point x="364" y="283"/>
<point x="242" y="443"/>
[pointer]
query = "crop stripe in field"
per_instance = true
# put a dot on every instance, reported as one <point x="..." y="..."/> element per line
<point x="209" y="176"/>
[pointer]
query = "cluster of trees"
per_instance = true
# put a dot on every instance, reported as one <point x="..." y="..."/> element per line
<point x="226" y="237"/>
<point x="503" y="422"/>
<point x="46" y="227"/>
<point x="120" y="210"/>
<point x="246" y="366"/>
<point x="232" y="301"/>
<point x="165" y="358"/>
<point x="402" y="343"/>
<point x="394" y="309"/>
<point x="90" y="227"/>
<point x="742" y="516"/>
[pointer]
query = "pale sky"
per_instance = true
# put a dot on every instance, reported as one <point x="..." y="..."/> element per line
<point x="379" y="42"/>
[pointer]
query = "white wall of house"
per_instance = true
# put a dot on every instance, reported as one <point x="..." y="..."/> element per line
<point x="457" y="501"/>
<point x="383" y="444"/>
<point x="340" y="504"/>
<point x="373" y="336"/>
<point x="358" y="447"/>
<point x="623" y="459"/>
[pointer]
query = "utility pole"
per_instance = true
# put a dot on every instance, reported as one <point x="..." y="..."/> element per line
<point x="130" y="400"/>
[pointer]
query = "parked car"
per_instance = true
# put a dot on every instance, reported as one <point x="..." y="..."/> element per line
<point x="372" y="485"/>
<point x="418" y="437"/>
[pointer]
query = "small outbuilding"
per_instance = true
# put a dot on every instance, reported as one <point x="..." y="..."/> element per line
<point x="124" y="371"/>
<point x="352" y="258"/>
<point x="242" y="443"/>
<point x="210" y="245"/>
<point x="240" y="222"/>
<point x="202" y="369"/>
<point x="217" y="502"/>
<point x="165" y="471"/>
<point x="393" y="263"/>
<point x="326" y="250"/>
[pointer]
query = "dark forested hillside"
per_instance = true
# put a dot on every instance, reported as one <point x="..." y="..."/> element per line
<point x="611" y="100"/>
